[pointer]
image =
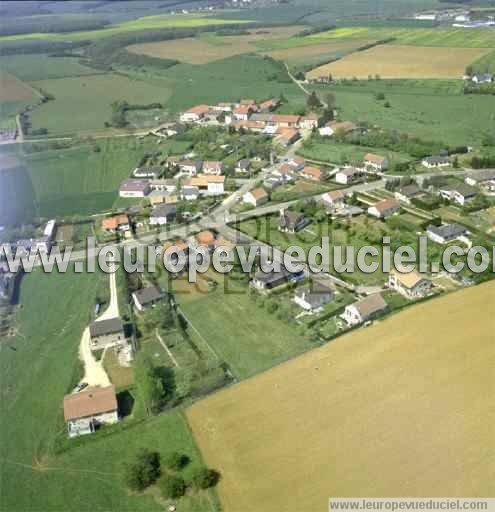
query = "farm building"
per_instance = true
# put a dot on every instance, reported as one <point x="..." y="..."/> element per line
<point x="256" y="197"/>
<point x="147" y="297"/>
<point x="104" y="333"/>
<point x="412" y="285"/>
<point x="84" y="412"/>
<point x="314" y="297"/>
<point x="134" y="188"/>
<point x="384" y="209"/>
<point x="365" y="309"/>
<point x="376" y="162"/>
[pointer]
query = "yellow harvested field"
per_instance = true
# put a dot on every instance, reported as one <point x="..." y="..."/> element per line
<point x="313" y="50"/>
<point x="12" y="89"/>
<point x="403" y="408"/>
<point x="396" y="61"/>
<point x="202" y="50"/>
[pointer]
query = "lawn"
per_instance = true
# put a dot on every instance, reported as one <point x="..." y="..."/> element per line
<point x="259" y="342"/>
<point x="36" y="476"/>
<point x="429" y="109"/>
<point x="83" y="104"/>
<point x="401" y="61"/>
<point x="400" y="401"/>
<point x="81" y="181"/>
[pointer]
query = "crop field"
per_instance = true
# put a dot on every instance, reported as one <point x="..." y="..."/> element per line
<point x="83" y="104"/>
<point x="400" y="61"/>
<point x="34" y="474"/>
<point x="147" y="22"/>
<point x="82" y="181"/>
<point x="401" y="401"/>
<point x="444" y="37"/>
<point x="428" y="109"/>
<point x="12" y="89"/>
<point x="209" y="47"/>
<point x="486" y="63"/>
<point x="43" y="67"/>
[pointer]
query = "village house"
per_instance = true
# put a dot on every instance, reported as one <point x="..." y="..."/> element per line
<point x="243" y="165"/>
<point x="189" y="193"/>
<point x="309" y="122"/>
<point x="385" y="208"/>
<point x="272" y="182"/>
<point x="364" y="310"/>
<point x="432" y="162"/>
<point x="412" y="285"/>
<point x="255" y="197"/>
<point x="347" y="175"/>
<point x="162" y="214"/>
<point x="212" y="167"/>
<point x="335" y="126"/>
<point x="162" y="196"/>
<point x="173" y="161"/>
<point x="292" y="222"/>
<point x="334" y="198"/>
<point x="104" y="333"/>
<point x="407" y="193"/>
<point x="190" y="167"/>
<point x="287" y="136"/>
<point x="461" y="194"/>
<point x="312" y="173"/>
<point x="134" y="188"/>
<point x="208" y="185"/>
<point x="314" y="297"/>
<point x="376" y="162"/>
<point x="297" y="163"/>
<point x="117" y="223"/>
<point x="223" y="107"/>
<point x="242" y="112"/>
<point x="169" y="185"/>
<point x="269" y="280"/>
<point x="195" y="114"/>
<point x="480" y="178"/>
<point x="84" y="412"/>
<point x="269" y="105"/>
<point x="482" y="78"/>
<point x="147" y="297"/>
<point x="445" y="233"/>
<point x="283" y="170"/>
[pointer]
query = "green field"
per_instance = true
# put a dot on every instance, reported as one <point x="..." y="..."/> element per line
<point x="162" y="21"/>
<point x="80" y="181"/>
<point x="84" y="103"/>
<point x="43" y="67"/>
<point x="258" y="342"/>
<point x="428" y="109"/>
<point x="445" y="37"/>
<point x="486" y="63"/>
<point x="38" y="367"/>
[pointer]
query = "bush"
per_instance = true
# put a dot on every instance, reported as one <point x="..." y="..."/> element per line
<point x="204" y="478"/>
<point x="143" y="470"/>
<point x="175" y="461"/>
<point x="172" y="486"/>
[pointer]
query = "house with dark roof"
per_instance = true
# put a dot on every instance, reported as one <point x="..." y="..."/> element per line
<point x="269" y="280"/>
<point x="104" y="333"/>
<point x="292" y="222"/>
<point x="85" y="411"/>
<point x="134" y="188"/>
<point x="461" y="193"/>
<point x="407" y="193"/>
<point x="243" y="165"/>
<point x="162" y="214"/>
<point x="435" y="161"/>
<point x="313" y="297"/>
<point x="147" y="297"/>
<point x="445" y="233"/>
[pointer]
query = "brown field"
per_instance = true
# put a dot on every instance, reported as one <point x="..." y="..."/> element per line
<point x="203" y="50"/>
<point x="396" y="61"/>
<point x="403" y="408"/>
<point x="12" y="89"/>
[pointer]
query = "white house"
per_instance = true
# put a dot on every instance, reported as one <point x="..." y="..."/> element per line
<point x="461" y="194"/>
<point x="134" y="188"/>
<point x="189" y="193"/>
<point x="208" y="185"/>
<point x="412" y="285"/>
<point x="445" y="233"/>
<point x="333" y="126"/>
<point x="195" y="114"/>
<point x="255" y="197"/>
<point x="347" y="175"/>
<point x="314" y="297"/>
<point x="384" y="209"/>
<point x="365" y="309"/>
<point x="432" y="162"/>
<point x="482" y="78"/>
<point x="376" y="162"/>
<point x="147" y="297"/>
<point x="309" y="122"/>
<point x="407" y="193"/>
<point x="333" y="198"/>
<point x="162" y="214"/>
<point x="84" y="412"/>
<point x="212" y="167"/>
<point x="190" y="167"/>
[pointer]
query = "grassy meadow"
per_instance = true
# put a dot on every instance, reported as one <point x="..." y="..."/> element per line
<point x="38" y="367"/>
<point x="401" y="400"/>
<point x="83" y="104"/>
<point x="82" y="181"/>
